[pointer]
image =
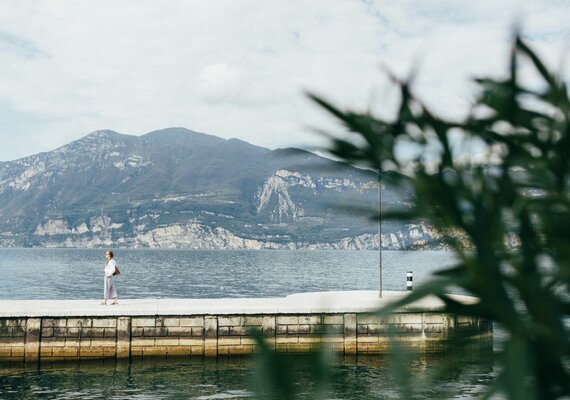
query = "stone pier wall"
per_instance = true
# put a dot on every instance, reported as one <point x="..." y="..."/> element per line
<point x="61" y="338"/>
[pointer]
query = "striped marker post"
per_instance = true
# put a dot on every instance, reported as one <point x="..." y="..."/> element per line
<point x="409" y="281"/>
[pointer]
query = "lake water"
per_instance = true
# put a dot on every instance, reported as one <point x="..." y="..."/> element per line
<point x="432" y="377"/>
<point x="77" y="274"/>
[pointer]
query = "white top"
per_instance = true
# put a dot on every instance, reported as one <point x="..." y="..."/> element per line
<point x="110" y="268"/>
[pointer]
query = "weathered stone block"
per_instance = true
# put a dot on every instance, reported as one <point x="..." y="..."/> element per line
<point x="12" y="342"/>
<point x="409" y="328"/>
<point x="93" y="333"/>
<point x="333" y="320"/>
<point x="281" y="347"/>
<point x="171" y="322"/>
<point x="237" y="330"/>
<point x="54" y="323"/>
<point x="210" y="348"/>
<point x="142" y="342"/>
<point x="47" y="332"/>
<point x="210" y="328"/>
<point x="143" y="322"/>
<point x="282" y="329"/>
<point x="178" y="351"/>
<point x="310" y="320"/>
<point x="224" y="331"/>
<point x="18" y="352"/>
<point x="229" y="341"/>
<point x="366" y="319"/>
<point x="5" y="331"/>
<point x="336" y="347"/>
<point x="252" y="321"/>
<point x="185" y="331"/>
<point x="463" y="319"/>
<point x="53" y="342"/>
<point x="65" y="352"/>
<point x="191" y="342"/>
<point x="45" y="352"/>
<point x="368" y="339"/>
<point x="379" y="347"/>
<point x="433" y="328"/>
<point x="413" y="319"/>
<point x="197" y="332"/>
<point x="332" y="339"/>
<point x="104" y="323"/>
<point x="286" y="339"/>
<point x="429" y="318"/>
<point x="299" y="347"/>
<point x="155" y="332"/>
<point x="392" y="319"/>
<point x="136" y="352"/>
<point x="72" y="332"/>
<point x="309" y="339"/>
<point x="72" y="343"/>
<point x="137" y="332"/>
<point x="268" y="326"/>
<point x="334" y="329"/>
<point x="248" y="340"/>
<point x="296" y="329"/>
<point x="350" y="346"/>
<point x="350" y="325"/>
<point x="19" y="331"/>
<point x="196" y="321"/>
<point x="109" y="352"/>
<point x="167" y="342"/>
<point x="286" y="320"/>
<point x="79" y="322"/>
<point x="229" y="321"/>
<point x="241" y="349"/>
<point x="60" y="332"/>
<point x="110" y="333"/>
<point x="103" y="343"/>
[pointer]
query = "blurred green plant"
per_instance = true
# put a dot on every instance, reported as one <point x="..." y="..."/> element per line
<point x="507" y="218"/>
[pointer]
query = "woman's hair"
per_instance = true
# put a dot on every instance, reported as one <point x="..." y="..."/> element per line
<point x="110" y="253"/>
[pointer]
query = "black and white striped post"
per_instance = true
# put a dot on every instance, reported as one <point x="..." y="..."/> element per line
<point x="409" y="281"/>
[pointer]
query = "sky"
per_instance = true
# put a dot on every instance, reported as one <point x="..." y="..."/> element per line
<point x="242" y="68"/>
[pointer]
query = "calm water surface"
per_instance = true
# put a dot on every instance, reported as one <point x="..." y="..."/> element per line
<point x="78" y="274"/>
<point x="461" y="377"/>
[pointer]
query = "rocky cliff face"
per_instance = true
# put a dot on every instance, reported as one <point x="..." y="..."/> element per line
<point x="197" y="236"/>
<point x="181" y="189"/>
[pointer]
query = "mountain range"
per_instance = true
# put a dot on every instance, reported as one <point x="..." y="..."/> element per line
<point x="176" y="188"/>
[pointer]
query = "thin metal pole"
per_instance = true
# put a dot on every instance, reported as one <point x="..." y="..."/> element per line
<point x="380" y="229"/>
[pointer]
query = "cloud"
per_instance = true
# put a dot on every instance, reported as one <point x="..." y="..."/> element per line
<point x="241" y="68"/>
<point x="218" y="82"/>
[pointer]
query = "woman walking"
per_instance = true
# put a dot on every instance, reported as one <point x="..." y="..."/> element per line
<point x="109" y="288"/>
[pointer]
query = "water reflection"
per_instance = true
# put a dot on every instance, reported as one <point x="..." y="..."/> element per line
<point x="462" y="375"/>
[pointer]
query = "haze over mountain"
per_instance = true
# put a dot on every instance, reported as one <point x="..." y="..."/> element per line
<point x="179" y="188"/>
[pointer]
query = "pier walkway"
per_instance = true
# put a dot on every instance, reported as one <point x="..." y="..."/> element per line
<point x="344" y="321"/>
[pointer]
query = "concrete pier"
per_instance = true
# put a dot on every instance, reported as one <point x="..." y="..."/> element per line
<point x="32" y="330"/>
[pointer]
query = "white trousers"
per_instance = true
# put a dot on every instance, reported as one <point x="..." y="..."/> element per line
<point x="109" y="291"/>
